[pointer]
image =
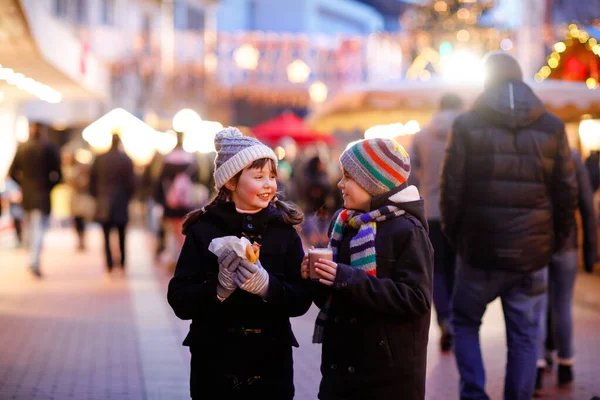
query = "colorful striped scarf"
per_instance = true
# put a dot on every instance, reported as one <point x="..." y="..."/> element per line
<point x="362" y="247"/>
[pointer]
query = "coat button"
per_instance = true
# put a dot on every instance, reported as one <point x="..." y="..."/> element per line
<point x="344" y="284"/>
<point x="333" y="366"/>
<point x="352" y="320"/>
<point x="381" y="344"/>
<point x="250" y="226"/>
<point x="249" y="217"/>
<point x="351" y="369"/>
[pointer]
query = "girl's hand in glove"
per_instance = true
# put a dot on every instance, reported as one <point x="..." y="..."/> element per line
<point x="252" y="278"/>
<point x="228" y="264"/>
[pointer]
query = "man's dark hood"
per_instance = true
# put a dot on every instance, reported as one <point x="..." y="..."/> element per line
<point x="511" y="104"/>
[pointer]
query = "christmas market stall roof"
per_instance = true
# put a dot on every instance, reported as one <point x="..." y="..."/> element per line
<point x="288" y="125"/>
<point x="363" y="106"/>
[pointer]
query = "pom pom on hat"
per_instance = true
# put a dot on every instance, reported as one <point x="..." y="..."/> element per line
<point x="235" y="152"/>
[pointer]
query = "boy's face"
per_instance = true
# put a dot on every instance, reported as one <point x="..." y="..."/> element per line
<point x="255" y="188"/>
<point x="355" y="197"/>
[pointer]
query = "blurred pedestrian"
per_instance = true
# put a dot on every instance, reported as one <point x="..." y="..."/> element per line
<point x="562" y="273"/>
<point x="317" y="183"/>
<point x="592" y="164"/>
<point x="77" y="176"/>
<point x="174" y="191"/>
<point x="375" y="296"/>
<point x="426" y="159"/>
<point x="507" y="199"/>
<point x="241" y="341"/>
<point x="12" y="193"/>
<point x="112" y="185"/>
<point x="36" y="168"/>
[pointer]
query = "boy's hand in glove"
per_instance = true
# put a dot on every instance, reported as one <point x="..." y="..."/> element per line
<point x="228" y="264"/>
<point x="252" y="278"/>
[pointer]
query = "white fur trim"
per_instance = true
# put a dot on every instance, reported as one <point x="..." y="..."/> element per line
<point x="409" y="194"/>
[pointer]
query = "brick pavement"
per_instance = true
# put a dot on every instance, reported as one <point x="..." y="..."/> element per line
<point x="74" y="335"/>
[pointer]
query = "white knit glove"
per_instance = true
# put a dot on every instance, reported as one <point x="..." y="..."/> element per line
<point x="252" y="278"/>
<point x="228" y="264"/>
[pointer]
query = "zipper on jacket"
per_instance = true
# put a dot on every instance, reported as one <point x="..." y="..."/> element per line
<point x="511" y="94"/>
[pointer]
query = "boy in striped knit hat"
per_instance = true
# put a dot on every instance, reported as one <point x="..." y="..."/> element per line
<point x="375" y="296"/>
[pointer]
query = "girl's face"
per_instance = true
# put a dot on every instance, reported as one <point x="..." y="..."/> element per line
<point x="255" y="188"/>
<point x="355" y="197"/>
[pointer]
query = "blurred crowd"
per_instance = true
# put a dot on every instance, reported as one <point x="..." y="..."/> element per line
<point x="493" y="236"/>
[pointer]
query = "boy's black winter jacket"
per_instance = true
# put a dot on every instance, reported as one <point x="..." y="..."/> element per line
<point x="375" y="340"/>
<point x="243" y="337"/>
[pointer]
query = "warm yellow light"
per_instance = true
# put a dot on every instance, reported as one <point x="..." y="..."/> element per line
<point x="5" y="73"/>
<point x="279" y="152"/>
<point x="412" y="127"/>
<point x="441" y="6"/>
<point x="555" y="55"/>
<point x="463" y="67"/>
<point x="596" y="49"/>
<point x="246" y="57"/>
<point x="83" y="156"/>
<point x="591" y="83"/>
<point x="424" y="75"/>
<point x="583" y="36"/>
<point x="137" y="137"/>
<point x="165" y="142"/>
<point x="538" y="77"/>
<point x="298" y="71"/>
<point x="389" y="131"/>
<point x="318" y="92"/>
<point x="463" y="35"/>
<point x="22" y="128"/>
<point x="574" y="33"/>
<point x="592" y="42"/>
<point x="202" y="138"/>
<point x="560" y="47"/>
<point x="545" y="71"/>
<point x="463" y="13"/>
<point x="572" y="27"/>
<point x="553" y="63"/>
<point x="588" y="132"/>
<point x="186" y="120"/>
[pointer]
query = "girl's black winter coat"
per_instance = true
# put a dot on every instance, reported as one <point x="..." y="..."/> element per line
<point x="241" y="347"/>
<point x="376" y="334"/>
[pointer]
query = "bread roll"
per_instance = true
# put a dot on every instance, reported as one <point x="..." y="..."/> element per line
<point x="253" y="252"/>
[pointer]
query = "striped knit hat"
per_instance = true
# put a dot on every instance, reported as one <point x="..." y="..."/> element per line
<point x="235" y="152"/>
<point x="378" y="165"/>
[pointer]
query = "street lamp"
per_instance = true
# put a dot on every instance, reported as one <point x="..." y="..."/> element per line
<point x="318" y="92"/>
<point x="246" y="57"/>
<point x="298" y="71"/>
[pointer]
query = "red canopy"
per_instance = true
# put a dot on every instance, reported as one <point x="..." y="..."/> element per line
<point x="290" y="125"/>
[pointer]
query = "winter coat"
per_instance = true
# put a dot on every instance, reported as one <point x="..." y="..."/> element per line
<point x="377" y="329"/>
<point x="112" y="184"/>
<point x="36" y="168"/>
<point x="174" y="163"/>
<point x="508" y="191"/>
<point x="588" y="219"/>
<point x="244" y="336"/>
<point x="426" y="159"/>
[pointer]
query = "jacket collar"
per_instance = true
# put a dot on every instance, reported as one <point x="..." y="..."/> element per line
<point x="224" y="213"/>
<point x="381" y="200"/>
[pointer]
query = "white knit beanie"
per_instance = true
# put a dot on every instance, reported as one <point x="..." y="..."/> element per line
<point x="235" y="152"/>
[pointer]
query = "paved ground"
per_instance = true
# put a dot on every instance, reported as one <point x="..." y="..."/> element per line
<point x="76" y="335"/>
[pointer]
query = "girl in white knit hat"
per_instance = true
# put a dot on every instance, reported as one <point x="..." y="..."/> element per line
<point x="241" y="338"/>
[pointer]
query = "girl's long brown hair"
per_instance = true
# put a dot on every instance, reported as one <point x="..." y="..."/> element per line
<point x="291" y="213"/>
